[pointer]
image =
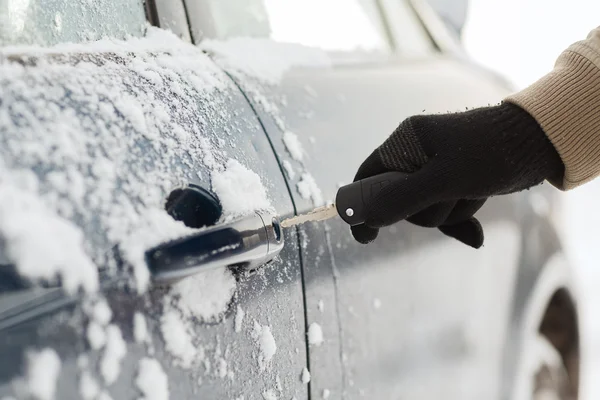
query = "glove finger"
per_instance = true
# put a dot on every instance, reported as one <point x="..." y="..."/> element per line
<point x="463" y="210"/>
<point x="364" y="234"/>
<point x="405" y="198"/>
<point x="371" y="166"/>
<point x="468" y="232"/>
<point x="433" y="216"/>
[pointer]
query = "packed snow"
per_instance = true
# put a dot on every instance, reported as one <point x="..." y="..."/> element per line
<point x="178" y="338"/>
<point x="305" y="376"/>
<point x="266" y="344"/>
<point x="152" y="380"/>
<point x="27" y="223"/>
<point x="96" y="335"/>
<point x="240" y="55"/>
<point x="293" y="145"/>
<point x="308" y="189"/>
<point x="43" y="368"/>
<point x="269" y="395"/>
<point x="140" y="328"/>
<point x="376" y="303"/>
<point x="114" y="352"/>
<point x="315" y="334"/>
<point x="102" y="312"/>
<point x="326" y="393"/>
<point x="289" y="169"/>
<point x="89" y="389"/>
<point x="239" y="318"/>
<point x="239" y="189"/>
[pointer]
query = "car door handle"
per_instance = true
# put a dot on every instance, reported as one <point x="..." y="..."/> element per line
<point x="247" y="243"/>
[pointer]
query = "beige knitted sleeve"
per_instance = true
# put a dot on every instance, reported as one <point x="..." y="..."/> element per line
<point x="566" y="104"/>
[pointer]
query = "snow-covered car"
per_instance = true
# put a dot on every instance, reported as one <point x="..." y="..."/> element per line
<point x="148" y="151"/>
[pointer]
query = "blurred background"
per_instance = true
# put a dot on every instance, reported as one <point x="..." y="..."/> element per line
<point x="521" y="39"/>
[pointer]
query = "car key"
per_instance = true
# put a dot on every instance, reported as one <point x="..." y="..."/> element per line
<point x="350" y="201"/>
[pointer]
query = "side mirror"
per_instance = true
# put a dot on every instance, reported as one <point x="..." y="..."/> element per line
<point x="452" y="12"/>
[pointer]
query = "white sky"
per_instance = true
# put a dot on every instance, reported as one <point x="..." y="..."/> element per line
<point x="522" y="38"/>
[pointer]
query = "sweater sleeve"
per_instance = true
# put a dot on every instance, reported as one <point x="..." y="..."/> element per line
<point x="566" y="104"/>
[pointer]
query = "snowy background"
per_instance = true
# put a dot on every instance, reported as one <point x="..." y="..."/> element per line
<point x="521" y="39"/>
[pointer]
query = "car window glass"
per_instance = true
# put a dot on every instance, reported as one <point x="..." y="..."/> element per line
<point x="47" y="22"/>
<point x="410" y="36"/>
<point x="336" y="25"/>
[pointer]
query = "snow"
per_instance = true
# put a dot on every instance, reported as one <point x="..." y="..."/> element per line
<point x="326" y="394"/>
<point x="114" y="352"/>
<point x="264" y="59"/>
<point x="269" y="395"/>
<point x="102" y="312"/>
<point x="28" y="224"/>
<point x="140" y="329"/>
<point x="239" y="189"/>
<point x="308" y="189"/>
<point x="289" y="170"/>
<point x="43" y="368"/>
<point x="178" y="339"/>
<point x="152" y="380"/>
<point x="205" y="295"/>
<point x="305" y="376"/>
<point x="89" y="389"/>
<point x="321" y="305"/>
<point x="239" y="318"/>
<point x="293" y="145"/>
<point x="90" y="148"/>
<point x="266" y="345"/>
<point x="315" y="334"/>
<point x="96" y="335"/>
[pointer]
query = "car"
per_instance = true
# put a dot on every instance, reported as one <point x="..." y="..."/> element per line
<point x="149" y="151"/>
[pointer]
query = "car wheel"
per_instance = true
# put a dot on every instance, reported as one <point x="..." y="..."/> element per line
<point x="549" y="374"/>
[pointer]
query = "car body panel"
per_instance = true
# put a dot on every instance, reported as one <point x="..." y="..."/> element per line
<point x="405" y="321"/>
<point x="194" y="120"/>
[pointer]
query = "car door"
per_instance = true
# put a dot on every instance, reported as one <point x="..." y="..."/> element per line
<point x="109" y="149"/>
<point x="403" y="317"/>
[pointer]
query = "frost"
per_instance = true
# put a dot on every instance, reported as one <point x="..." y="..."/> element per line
<point x="88" y="387"/>
<point x="239" y="189"/>
<point x="308" y="189"/>
<point x="315" y="334"/>
<point x="293" y="145"/>
<point x="289" y="170"/>
<point x="114" y="352"/>
<point x="152" y="380"/>
<point x="305" y="376"/>
<point x="266" y="345"/>
<point x="43" y="368"/>
<point x="241" y="55"/>
<point x="178" y="339"/>
<point x="140" y="329"/>
<point x="205" y="295"/>
<point x="239" y="318"/>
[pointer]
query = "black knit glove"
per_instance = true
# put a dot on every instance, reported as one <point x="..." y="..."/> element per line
<point x="455" y="162"/>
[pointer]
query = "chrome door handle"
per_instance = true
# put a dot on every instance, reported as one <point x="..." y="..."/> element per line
<point x="248" y="243"/>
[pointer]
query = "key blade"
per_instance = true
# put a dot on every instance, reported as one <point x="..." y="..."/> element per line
<point x="318" y="214"/>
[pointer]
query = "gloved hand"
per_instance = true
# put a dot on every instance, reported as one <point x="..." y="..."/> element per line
<point x="455" y="162"/>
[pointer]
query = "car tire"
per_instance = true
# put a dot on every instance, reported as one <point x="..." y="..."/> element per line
<point x="549" y="374"/>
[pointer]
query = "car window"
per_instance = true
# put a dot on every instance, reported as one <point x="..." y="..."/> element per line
<point x="335" y="25"/>
<point x="47" y="22"/>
